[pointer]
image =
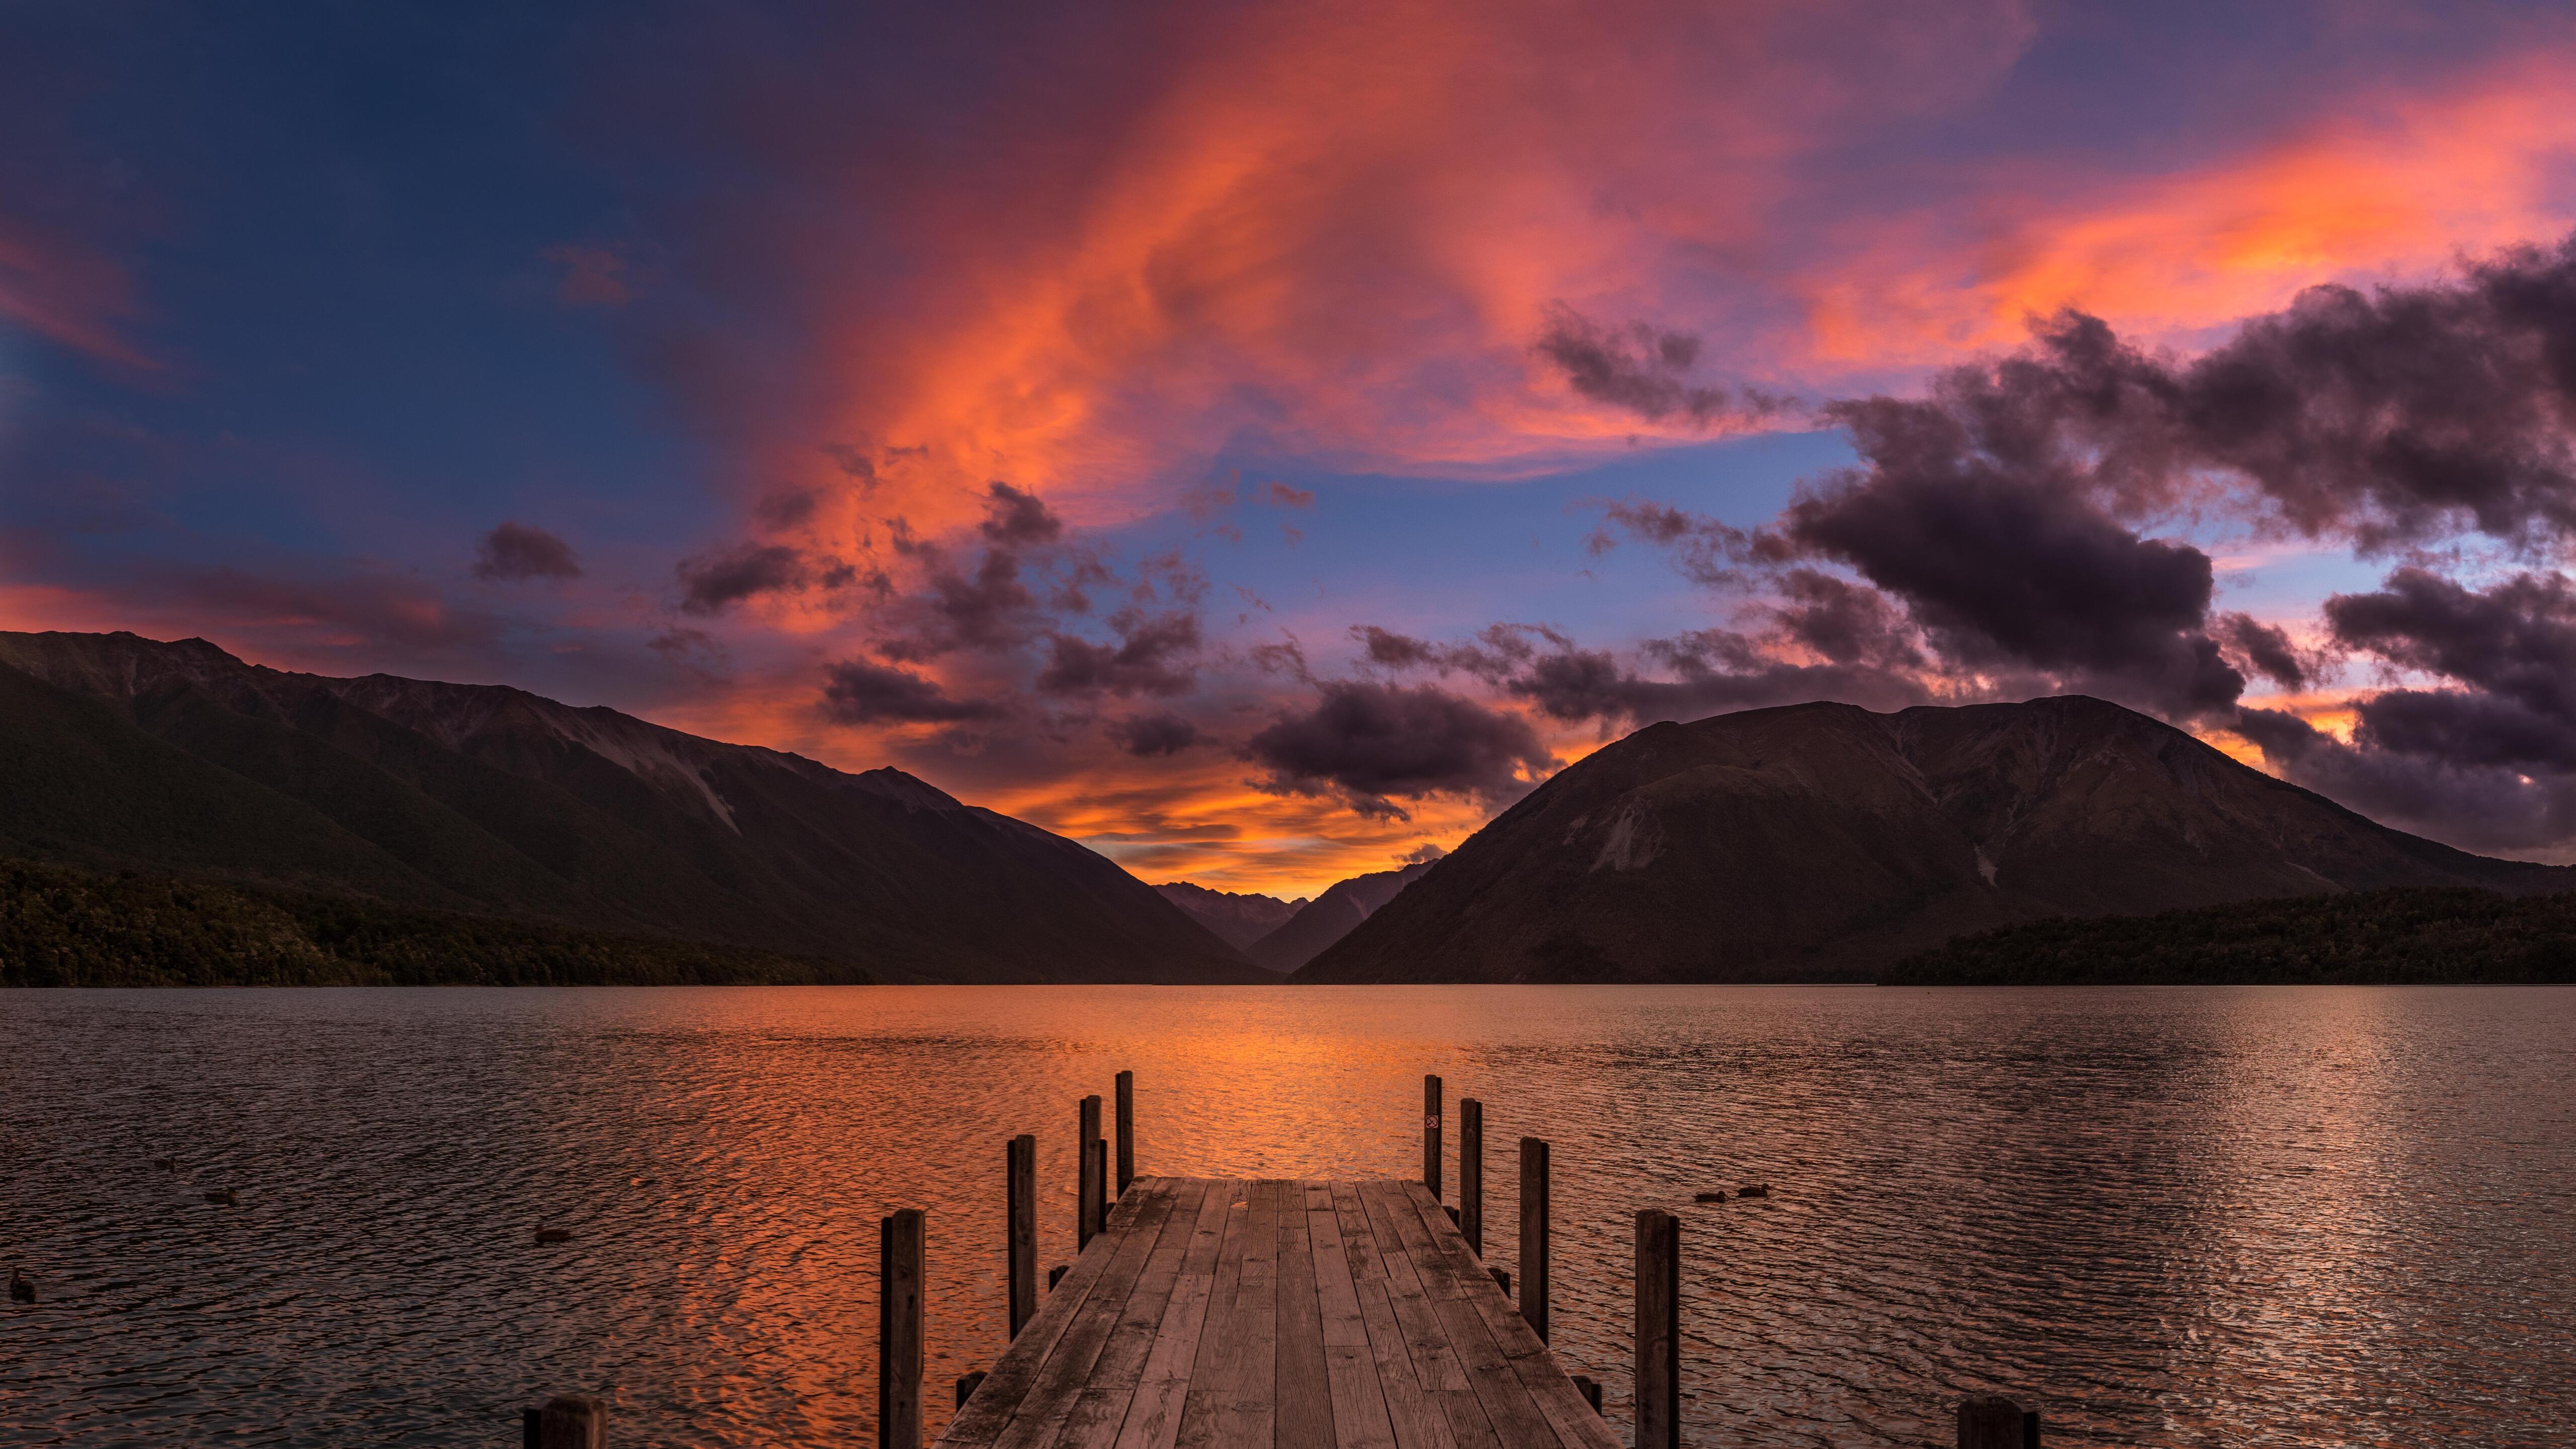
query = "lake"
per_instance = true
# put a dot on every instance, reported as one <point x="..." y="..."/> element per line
<point x="2281" y="1216"/>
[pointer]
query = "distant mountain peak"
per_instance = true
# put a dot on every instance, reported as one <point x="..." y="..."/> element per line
<point x="118" y="751"/>
<point x="1821" y="841"/>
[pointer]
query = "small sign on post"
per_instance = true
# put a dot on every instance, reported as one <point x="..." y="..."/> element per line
<point x="1431" y="1135"/>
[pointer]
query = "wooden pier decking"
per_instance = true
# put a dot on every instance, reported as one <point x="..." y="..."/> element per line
<point x="1300" y="1315"/>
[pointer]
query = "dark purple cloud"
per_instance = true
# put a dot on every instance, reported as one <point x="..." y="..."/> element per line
<point x="1153" y="656"/>
<point x="1369" y="742"/>
<point x="858" y="692"/>
<point x="713" y="583"/>
<point x="515" y="553"/>
<point x="1153" y="736"/>
<point x="1642" y="370"/>
<point x="1013" y="518"/>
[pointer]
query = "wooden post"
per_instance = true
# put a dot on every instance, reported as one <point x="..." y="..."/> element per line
<point x="2030" y="1429"/>
<point x="1088" y="1189"/>
<point x="1988" y="1421"/>
<point x="1471" y="1173"/>
<point x="1431" y="1135"/>
<point x="1023" y="1230"/>
<point x="967" y="1384"/>
<point x="1086" y="1208"/>
<point x="1534" y="1195"/>
<point x="902" y="1268"/>
<point x="1100" y="1180"/>
<point x="1502" y="1280"/>
<point x="1055" y="1275"/>
<point x="566" y="1421"/>
<point x="1591" y="1391"/>
<point x="1659" y="1330"/>
<point x="1126" y="1131"/>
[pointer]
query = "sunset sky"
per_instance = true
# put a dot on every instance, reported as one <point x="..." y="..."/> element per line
<point x="1262" y="441"/>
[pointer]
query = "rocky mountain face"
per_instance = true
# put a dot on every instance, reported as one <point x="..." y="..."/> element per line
<point x="1238" y="919"/>
<point x="1332" y="915"/>
<point x="1822" y="842"/>
<point x="123" y="752"/>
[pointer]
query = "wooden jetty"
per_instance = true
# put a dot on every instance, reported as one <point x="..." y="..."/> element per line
<point x="1211" y="1313"/>
<point x="1302" y="1315"/>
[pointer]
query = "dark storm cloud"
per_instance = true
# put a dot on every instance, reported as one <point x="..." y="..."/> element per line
<point x="2476" y="807"/>
<point x="1152" y="656"/>
<point x="2512" y="645"/>
<point x="2006" y="566"/>
<point x="1843" y="622"/>
<point x="1696" y="674"/>
<point x="1014" y="518"/>
<point x="2267" y="650"/>
<point x="1368" y="742"/>
<point x="713" y="583"/>
<point x="859" y="692"/>
<point x="515" y="552"/>
<point x="1153" y="736"/>
<point x="1640" y="369"/>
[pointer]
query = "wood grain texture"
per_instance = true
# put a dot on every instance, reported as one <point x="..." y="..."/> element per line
<point x="1277" y="1315"/>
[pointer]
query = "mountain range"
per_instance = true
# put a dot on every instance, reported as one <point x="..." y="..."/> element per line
<point x="123" y="753"/>
<point x="1814" y="842"/>
<point x="1824" y="842"/>
<point x="1238" y="919"/>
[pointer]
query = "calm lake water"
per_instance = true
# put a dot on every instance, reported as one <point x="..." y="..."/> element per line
<point x="2172" y="1217"/>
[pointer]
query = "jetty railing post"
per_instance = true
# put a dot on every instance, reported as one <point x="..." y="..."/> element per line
<point x="1023" y="1230"/>
<point x="1086" y="1208"/>
<point x="902" y="1268"/>
<point x="566" y="1421"/>
<point x="1100" y="1184"/>
<point x="1534" y="1246"/>
<point x="1126" y="1131"/>
<point x="1987" y="1421"/>
<point x="1659" y="1330"/>
<point x="1431" y="1135"/>
<point x="1471" y="1173"/>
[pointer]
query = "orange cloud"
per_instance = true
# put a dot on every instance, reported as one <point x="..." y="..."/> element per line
<point x="1335" y="229"/>
<point x="2394" y="185"/>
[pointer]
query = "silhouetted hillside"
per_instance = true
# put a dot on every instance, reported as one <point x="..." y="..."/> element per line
<point x="1824" y="842"/>
<point x="120" y="752"/>
<point x="63" y="927"/>
<point x="2387" y="937"/>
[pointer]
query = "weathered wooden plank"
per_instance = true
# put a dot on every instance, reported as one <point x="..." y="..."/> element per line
<point x="995" y="1404"/>
<point x="1434" y="1362"/>
<point x="1512" y="1331"/>
<point x="1049" y="1403"/>
<point x="1562" y="1404"/>
<point x="1467" y="1422"/>
<point x="1359" y="1413"/>
<point x="1305" y="1392"/>
<point x="1359" y="1239"/>
<point x="1154" y="1415"/>
<point x="1201" y="1407"/>
<point x="1207" y="1237"/>
<point x="1412" y="1417"/>
<point x="1335" y="1289"/>
<point x="1122" y="1358"/>
<point x="1092" y="1422"/>
<point x="1507" y="1404"/>
<point x="1249" y="1410"/>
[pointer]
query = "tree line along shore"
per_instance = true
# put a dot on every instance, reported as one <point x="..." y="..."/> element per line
<point x="61" y="926"/>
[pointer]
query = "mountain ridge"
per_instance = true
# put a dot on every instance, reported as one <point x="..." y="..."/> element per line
<point x="1824" y="842"/>
<point x="486" y="798"/>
